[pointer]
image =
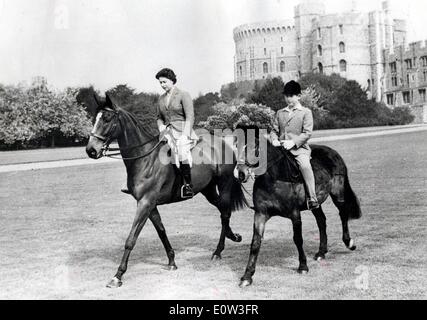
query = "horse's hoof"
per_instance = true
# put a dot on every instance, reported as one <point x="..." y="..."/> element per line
<point x="238" y="238"/>
<point x="171" y="267"/>
<point x="351" y="246"/>
<point x="216" y="257"/>
<point x="303" y="270"/>
<point x="245" y="283"/>
<point x="235" y="237"/>
<point x="115" y="283"/>
<point x="319" y="258"/>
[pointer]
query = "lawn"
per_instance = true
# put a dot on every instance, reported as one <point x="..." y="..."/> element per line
<point x="63" y="230"/>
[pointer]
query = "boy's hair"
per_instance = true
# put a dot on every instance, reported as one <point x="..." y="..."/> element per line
<point x="292" y="88"/>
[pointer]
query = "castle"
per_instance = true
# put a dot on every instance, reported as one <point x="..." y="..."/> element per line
<point x="370" y="48"/>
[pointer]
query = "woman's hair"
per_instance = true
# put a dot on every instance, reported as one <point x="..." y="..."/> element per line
<point x="292" y="88"/>
<point x="166" y="73"/>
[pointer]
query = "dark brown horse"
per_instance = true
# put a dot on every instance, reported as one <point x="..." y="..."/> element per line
<point x="153" y="182"/>
<point x="280" y="191"/>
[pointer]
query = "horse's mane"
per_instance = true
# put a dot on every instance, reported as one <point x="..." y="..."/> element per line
<point x="282" y="164"/>
<point x="141" y="125"/>
<point x="132" y="119"/>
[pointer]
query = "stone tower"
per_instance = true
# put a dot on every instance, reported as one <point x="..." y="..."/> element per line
<point x="305" y="12"/>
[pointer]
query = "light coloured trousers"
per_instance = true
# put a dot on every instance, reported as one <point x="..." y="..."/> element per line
<point x="303" y="161"/>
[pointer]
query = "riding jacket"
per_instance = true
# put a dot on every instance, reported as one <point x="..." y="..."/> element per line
<point x="295" y="125"/>
<point x="178" y="112"/>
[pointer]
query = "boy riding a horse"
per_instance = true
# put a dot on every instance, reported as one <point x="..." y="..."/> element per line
<point x="292" y="128"/>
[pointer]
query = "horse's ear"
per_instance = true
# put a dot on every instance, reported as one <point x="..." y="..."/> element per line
<point x="109" y="101"/>
<point x="97" y="99"/>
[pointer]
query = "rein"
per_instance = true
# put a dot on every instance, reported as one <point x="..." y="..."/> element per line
<point x="106" y="148"/>
<point x="289" y="163"/>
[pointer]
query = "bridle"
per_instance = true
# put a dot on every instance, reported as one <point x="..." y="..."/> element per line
<point x="107" y="139"/>
<point x="269" y="163"/>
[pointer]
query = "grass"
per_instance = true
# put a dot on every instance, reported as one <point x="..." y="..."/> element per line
<point x="63" y="230"/>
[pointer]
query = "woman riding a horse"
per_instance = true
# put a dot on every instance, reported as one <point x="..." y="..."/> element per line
<point x="175" y="113"/>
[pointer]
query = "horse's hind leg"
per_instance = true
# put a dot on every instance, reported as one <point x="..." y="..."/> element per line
<point x="348" y="241"/>
<point x="321" y="223"/>
<point x="297" y="226"/>
<point x="260" y="220"/>
<point x="161" y="231"/>
<point x="212" y="196"/>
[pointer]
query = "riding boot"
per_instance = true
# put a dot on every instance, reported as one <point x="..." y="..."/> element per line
<point x="187" y="188"/>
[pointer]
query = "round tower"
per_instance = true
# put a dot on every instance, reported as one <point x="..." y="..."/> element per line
<point x="305" y="13"/>
<point x="265" y="49"/>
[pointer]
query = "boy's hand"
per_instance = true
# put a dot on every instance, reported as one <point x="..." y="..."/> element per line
<point x="288" y="144"/>
<point x="276" y="143"/>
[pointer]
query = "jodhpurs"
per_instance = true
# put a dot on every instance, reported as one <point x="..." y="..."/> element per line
<point x="303" y="161"/>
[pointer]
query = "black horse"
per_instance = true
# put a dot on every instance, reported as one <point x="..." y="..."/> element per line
<point x="153" y="182"/>
<point x="280" y="191"/>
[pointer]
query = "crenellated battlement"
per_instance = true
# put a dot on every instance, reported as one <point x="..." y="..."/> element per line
<point x="263" y="29"/>
<point x="418" y="47"/>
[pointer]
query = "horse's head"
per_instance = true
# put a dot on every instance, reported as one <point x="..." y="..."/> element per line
<point x="106" y="128"/>
<point x="251" y="155"/>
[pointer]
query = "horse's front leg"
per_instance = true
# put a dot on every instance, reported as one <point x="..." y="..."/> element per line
<point x="259" y="226"/>
<point x="144" y="208"/>
<point x="297" y="226"/>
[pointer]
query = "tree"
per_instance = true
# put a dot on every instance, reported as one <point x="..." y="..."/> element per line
<point x="203" y="106"/>
<point x="38" y="113"/>
<point x="123" y="94"/>
<point x="270" y="94"/>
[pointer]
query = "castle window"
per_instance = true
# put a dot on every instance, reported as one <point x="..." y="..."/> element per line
<point x="281" y="50"/>
<point x="424" y="61"/>
<point x="320" y="66"/>
<point x="422" y="93"/>
<point x="319" y="33"/>
<point x="343" y="66"/>
<point x="408" y="63"/>
<point x="369" y="84"/>
<point x="407" y="97"/>
<point x="394" y="81"/>
<point x="407" y="79"/>
<point x="241" y="71"/>
<point x="319" y="50"/>
<point x="265" y="67"/>
<point x="265" y="51"/>
<point x="342" y="47"/>
<point x="341" y="29"/>
<point x="393" y="67"/>
<point x="282" y="66"/>
<point x="390" y="99"/>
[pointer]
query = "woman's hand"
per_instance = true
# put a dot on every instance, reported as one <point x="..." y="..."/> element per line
<point x="183" y="140"/>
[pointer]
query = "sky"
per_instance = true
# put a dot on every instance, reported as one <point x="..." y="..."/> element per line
<point x="109" y="42"/>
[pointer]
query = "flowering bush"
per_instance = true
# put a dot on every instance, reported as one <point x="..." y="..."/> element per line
<point x="35" y="113"/>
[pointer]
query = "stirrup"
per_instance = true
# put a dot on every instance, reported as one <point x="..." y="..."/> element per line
<point x="187" y="191"/>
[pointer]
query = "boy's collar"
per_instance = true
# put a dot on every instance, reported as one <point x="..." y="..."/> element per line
<point x="297" y="107"/>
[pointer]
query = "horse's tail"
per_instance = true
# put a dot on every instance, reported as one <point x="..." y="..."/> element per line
<point x="351" y="204"/>
<point x="232" y="196"/>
